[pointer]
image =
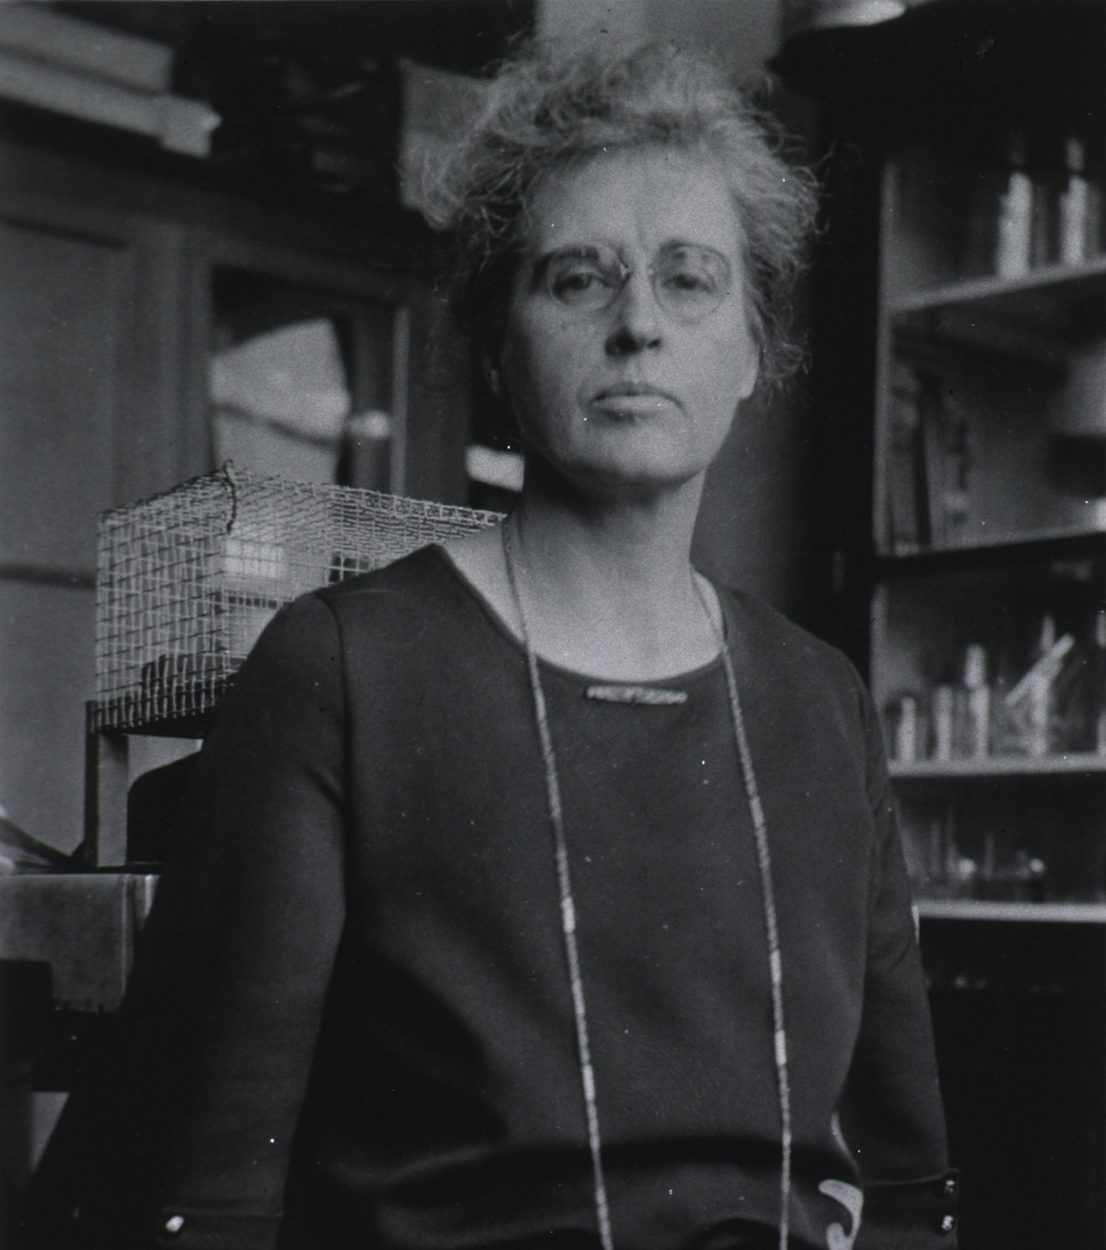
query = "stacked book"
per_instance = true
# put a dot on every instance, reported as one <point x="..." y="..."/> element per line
<point x="51" y="61"/>
<point x="929" y="487"/>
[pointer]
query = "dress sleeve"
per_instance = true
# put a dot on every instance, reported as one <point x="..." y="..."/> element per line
<point x="891" y="1112"/>
<point x="182" y="1136"/>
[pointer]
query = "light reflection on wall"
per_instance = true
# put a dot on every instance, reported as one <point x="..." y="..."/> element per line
<point x="280" y="401"/>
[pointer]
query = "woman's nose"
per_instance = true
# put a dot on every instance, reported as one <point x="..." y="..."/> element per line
<point x="635" y="322"/>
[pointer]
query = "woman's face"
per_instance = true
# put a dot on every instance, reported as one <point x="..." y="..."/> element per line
<point x="627" y="345"/>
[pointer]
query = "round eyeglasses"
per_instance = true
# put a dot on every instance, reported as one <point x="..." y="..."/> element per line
<point x="689" y="280"/>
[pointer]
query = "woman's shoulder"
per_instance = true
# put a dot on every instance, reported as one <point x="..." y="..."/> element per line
<point x="414" y="584"/>
<point x="393" y="602"/>
<point x="418" y="572"/>
<point x="791" y="675"/>
<point x="788" y="667"/>
<point x="772" y="638"/>
<point x="411" y="603"/>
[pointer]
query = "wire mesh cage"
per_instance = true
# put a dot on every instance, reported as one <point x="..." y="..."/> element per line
<point x="188" y="579"/>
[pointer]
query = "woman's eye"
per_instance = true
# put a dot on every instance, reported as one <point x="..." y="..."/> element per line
<point x="694" y="279"/>
<point x="691" y="281"/>
<point x="580" y="283"/>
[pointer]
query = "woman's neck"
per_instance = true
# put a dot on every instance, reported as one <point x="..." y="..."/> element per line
<point x="606" y="589"/>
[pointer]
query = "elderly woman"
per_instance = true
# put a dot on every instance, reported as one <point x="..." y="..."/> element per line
<point x="536" y="890"/>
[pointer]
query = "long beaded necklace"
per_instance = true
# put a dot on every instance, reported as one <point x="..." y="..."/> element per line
<point x="568" y="910"/>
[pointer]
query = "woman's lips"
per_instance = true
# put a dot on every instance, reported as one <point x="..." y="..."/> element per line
<point x="633" y="398"/>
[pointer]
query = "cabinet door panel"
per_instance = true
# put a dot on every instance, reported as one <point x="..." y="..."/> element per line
<point x="46" y="643"/>
<point x="64" y="307"/>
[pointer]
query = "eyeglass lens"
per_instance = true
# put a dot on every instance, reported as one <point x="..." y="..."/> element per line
<point x="689" y="280"/>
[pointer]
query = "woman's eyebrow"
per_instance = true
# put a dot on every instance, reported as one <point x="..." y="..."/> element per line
<point x="577" y="251"/>
<point x="674" y="245"/>
<point x="573" y="251"/>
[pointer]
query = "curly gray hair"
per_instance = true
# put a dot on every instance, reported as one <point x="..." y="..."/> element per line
<point x="554" y="104"/>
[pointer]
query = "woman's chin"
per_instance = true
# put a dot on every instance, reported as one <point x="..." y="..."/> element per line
<point x="626" y="477"/>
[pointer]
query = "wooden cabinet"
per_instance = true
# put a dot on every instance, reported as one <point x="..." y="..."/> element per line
<point x="1017" y="1004"/>
<point x="84" y="417"/>
<point x="125" y="271"/>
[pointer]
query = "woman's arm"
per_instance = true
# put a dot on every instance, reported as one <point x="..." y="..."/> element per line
<point x="183" y="1136"/>
<point x="891" y="1113"/>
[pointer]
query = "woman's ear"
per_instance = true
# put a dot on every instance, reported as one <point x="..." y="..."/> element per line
<point x="750" y="369"/>
<point x="491" y="373"/>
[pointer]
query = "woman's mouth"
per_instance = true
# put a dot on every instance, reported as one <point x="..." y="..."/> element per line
<point x="633" y="399"/>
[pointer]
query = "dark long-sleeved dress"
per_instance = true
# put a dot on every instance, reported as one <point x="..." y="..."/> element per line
<point x="350" y="1023"/>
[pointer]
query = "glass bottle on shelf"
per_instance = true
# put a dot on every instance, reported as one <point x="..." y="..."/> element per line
<point x="946" y="871"/>
<point x="1078" y="208"/>
<point x="1005" y="736"/>
<point x="975" y="705"/>
<point x="1072" y="716"/>
<point x="1013" y="246"/>
<point x="905" y="725"/>
<point x="1031" y="702"/>
<point x="943" y="717"/>
<point x="1097" y="684"/>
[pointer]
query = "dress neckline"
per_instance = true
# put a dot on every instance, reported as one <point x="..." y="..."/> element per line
<point x="700" y="672"/>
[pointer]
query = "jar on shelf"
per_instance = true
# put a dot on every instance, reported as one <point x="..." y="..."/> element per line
<point x="974" y="730"/>
<point x="1014" y="242"/>
<point x="1085" y="706"/>
<point x="1078" y="207"/>
<point x="905" y="729"/>
<point x="1098" y="683"/>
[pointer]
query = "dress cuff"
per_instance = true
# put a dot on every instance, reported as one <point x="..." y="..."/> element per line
<point x="181" y="1228"/>
<point x="911" y="1215"/>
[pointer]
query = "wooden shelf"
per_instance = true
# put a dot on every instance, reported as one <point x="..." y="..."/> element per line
<point x="1036" y="548"/>
<point x="999" y="766"/>
<point x="1051" y="297"/>
<point x="1034" y="913"/>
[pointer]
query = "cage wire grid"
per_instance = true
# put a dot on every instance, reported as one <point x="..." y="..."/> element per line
<point x="188" y="579"/>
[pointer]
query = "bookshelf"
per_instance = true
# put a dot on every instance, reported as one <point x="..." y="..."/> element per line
<point x="1006" y="837"/>
<point x="1045" y="296"/>
<point x="1080" y="763"/>
<point x="1012" y="913"/>
<point x="988" y="598"/>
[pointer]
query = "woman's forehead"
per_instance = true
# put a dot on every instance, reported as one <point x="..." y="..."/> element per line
<point x="635" y="198"/>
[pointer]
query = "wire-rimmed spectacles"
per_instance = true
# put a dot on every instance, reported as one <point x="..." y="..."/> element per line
<point x="689" y="280"/>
